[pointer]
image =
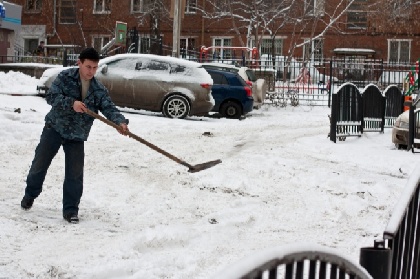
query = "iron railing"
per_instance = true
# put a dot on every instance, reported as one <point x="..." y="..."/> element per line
<point x="295" y="262"/>
<point x="402" y="234"/>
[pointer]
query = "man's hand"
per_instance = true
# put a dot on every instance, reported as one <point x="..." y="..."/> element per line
<point x="79" y="106"/>
<point x="123" y="129"/>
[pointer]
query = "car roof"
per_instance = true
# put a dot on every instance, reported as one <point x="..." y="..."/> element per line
<point x="223" y="65"/>
<point x="168" y="59"/>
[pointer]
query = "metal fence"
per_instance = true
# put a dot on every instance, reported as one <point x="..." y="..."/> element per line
<point x="354" y="112"/>
<point x="402" y="234"/>
<point x="295" y="262"/>
<point x="414" y="126"/>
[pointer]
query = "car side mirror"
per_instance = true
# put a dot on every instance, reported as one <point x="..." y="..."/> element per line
<point x="104" y="69"/>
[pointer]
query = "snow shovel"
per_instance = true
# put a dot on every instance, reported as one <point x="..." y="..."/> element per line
<point x="191" y="168"/>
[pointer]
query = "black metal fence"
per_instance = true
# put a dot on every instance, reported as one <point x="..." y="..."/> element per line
<point x="295" y="262"/>
<point x="414" y="126"/>
<point x="402" y="234"/>
<point x="394" y="104"/>
<point x="354" y="112"/>
<point x="346" y="113"/>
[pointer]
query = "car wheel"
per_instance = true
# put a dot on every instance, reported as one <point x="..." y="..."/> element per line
<point x="231" y="110"/>
<point x="176" y="106"/>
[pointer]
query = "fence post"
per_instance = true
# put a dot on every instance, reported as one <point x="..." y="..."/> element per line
<point x="331" y="83"/>
<point x="377" y="260"/>
<point x="65" y="58"/>
<point x="333" y="119"/>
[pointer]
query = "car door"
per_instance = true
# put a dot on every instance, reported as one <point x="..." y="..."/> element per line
<point x="219" y="89"/>
<point x="157" y="83"/>
<point x="114" y="76"/>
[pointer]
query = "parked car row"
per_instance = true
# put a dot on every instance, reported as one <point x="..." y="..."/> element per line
<point x="175" y="87"/>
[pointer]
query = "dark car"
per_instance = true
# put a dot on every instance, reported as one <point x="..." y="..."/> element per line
<point x="259" y="85"/>
<point x="232" y="95"/>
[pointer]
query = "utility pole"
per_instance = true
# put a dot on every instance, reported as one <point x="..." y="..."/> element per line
<point x="176" y="27"/>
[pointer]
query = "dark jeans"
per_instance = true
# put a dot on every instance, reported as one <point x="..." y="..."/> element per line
<point x="50" y="143"/>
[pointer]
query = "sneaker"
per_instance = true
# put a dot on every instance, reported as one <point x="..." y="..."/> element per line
<point x="27" y="203"/>
<point x="71" y="218"/>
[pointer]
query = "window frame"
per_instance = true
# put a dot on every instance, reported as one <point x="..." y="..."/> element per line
<point x="357" y="10"/>
<point x="221" y="7"/>
<point x="103" y="10"/>
<point x="104" y="40"/>
<point x="60" y="12"/>
<point x="314" y="7"/>
<point x="36" y="9"/>
<point x="190" y="6"/>
<point x="142" y="6"/>
<point x="310" y="47"/>
<point x="398" y="54"/>
<point x="223" y="53"/>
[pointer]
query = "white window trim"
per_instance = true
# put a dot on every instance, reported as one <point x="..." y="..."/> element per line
<point x="317" y="11"/>
<point x="187" y="10"/>
<point x="252" y="41"/>
<point x="213" y="38"/>
<point x="399" y="40"/>
<point x="100" y="12"/>
<point x="141" y="7"/>
<point x="102" y="37"/>
<point x="306" y="42"/>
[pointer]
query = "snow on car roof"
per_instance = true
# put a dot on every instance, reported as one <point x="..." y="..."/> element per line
<point x="169" y="59"/>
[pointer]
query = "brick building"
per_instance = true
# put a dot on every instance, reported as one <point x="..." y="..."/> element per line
<point x="365" y="29"/>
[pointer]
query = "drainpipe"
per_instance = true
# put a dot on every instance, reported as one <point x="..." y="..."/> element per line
<point x="54" y="20"/>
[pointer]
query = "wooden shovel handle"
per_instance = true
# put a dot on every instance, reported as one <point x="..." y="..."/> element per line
<point x="131" y="135"/>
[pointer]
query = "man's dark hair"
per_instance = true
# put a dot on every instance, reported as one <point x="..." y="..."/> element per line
<point x="89" y="53"/>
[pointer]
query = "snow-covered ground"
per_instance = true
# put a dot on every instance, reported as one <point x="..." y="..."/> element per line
<point x="281" y="182"/>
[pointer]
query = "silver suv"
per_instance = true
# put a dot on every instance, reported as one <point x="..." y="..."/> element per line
<point x="173" y="86"/>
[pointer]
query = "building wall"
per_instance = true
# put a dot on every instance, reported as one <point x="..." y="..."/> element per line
<point x="204" y="30"/>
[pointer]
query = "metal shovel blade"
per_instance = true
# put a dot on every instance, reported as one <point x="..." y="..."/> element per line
<point x="204" y="166"/>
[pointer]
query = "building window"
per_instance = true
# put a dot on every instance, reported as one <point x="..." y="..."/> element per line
<point x="221" y="7"/>
<point x="221" y="53"/>
<point x="399" y="51"/>
<point x="102" y="6"/>
<point x="33" y="5"/>
<point x="100" y="41"/>
<point x="144" y="44"/>
<point x="314" y="7"/>
<point x="313" y="50"/>
<point x="191" y="6"/>
<point x="267" y="46"/>
<point x="401" y="8"/>
<point x="187" y="47"/>
<point x="67" y="11"/>
<point x="139" y="6"/>
<point x="357" y="15"/>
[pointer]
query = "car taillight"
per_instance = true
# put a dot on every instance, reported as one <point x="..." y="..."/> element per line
<point x="205" y="85"/>
<point x="248" y="91"/>
<point x="249" y="83"/>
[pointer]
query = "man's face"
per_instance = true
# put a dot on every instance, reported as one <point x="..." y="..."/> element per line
<point x="87" y="68"/>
